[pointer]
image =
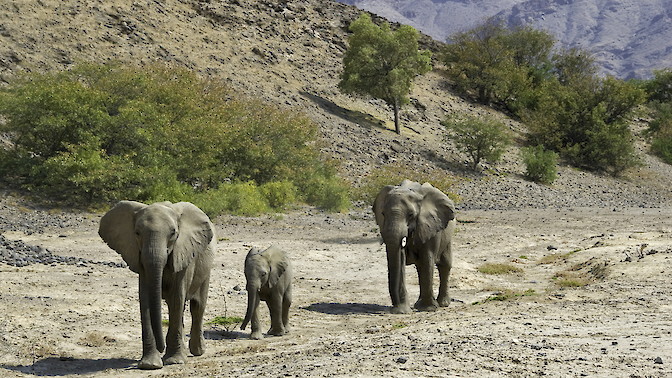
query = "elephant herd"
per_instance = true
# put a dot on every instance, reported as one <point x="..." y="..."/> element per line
<point x="172" y="246"/>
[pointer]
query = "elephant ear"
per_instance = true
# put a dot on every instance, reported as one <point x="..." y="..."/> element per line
<point x="279" y="264"/>
<point x="379" y="204"/>
<point x="436" y="210"/>
<point x="117" y="229"/>
<point x="194" y="235"/>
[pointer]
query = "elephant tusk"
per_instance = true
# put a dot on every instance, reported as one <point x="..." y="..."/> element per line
<point x="403" y="242"/>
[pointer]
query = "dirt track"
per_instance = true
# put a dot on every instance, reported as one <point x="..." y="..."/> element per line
<point x="83" y="319"/>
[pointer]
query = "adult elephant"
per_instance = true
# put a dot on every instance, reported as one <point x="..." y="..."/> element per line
<point x="417" y="223"/>
<point x="171" y="247"/>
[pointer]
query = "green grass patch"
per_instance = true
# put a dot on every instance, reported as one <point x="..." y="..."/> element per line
<point x="499" y="268"/>
<point x="399" y="325"/>
<point x="225" y="320"/>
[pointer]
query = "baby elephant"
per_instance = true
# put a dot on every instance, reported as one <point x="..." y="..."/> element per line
<point x="269" y="278"/>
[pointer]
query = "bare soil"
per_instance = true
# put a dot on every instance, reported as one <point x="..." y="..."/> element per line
<point x="83" y="319"/>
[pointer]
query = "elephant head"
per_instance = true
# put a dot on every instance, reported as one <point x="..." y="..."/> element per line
<point x="409" y="215"/>
<point x="262" y="272"/>
<point x="153" y="239"/>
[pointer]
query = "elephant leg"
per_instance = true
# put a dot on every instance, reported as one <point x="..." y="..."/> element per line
<point x="425" y="268"/>
<point x="151" y="357"/>
<point x="275" y="308"/>
<point x="197" y="309"/>
<point x="444" y="267"/>
<point x="286" y="303"/>
<point x="396" y="264"/>
<point x="255" y="324"/>
<point x="175" y="349"/>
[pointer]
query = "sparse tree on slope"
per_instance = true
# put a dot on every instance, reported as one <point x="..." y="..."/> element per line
<point x="382" y="63"/>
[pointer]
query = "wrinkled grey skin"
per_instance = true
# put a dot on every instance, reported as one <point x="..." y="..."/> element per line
<point x="416" y="223"/>
<point x="269" y="278"/>
<point x="171" y="247"/>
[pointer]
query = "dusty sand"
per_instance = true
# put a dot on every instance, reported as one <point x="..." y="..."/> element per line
<point x="83" y="320"/>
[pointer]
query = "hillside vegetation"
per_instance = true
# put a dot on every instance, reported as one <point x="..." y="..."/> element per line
<point x="289" y="55"/>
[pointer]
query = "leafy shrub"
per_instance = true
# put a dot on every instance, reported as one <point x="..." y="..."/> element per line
<point x="660" y="130"/>
<point x="99" y="133"/>
<point x="326" y="191"/>
<point x="587" y="122"/>
<point x="540" y="164"/>
<point x="279" y="194"/>
<point x="394" y="174"/>
<point x="480" y="138"/>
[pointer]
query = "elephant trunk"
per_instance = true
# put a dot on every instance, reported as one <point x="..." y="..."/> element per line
<point x="395" y="239"/>
<point x="252" y="303"/>
<point x="396" y="261"/>
<point x="154" y="264"/>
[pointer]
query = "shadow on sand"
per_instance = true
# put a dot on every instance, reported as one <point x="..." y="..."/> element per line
<point x="347" y="308"/>
<point x="59" y="366"/>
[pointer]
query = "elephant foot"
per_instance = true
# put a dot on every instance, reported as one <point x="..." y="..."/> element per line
<point x="174" y="359"/>
<point x="426" y="305"/>
<point x="197" y="346"/>
<point x="277" y="331"/>
<point x="444" y="302"/>
<point x="150" y="362"/>
<point x="402" y="309"/>
<point x="256" y="335"/>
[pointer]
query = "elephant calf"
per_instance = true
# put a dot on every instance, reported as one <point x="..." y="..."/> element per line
<point x="416" y="223"/>
<point x="269" y="278"/>
<point x="171" y="246"/>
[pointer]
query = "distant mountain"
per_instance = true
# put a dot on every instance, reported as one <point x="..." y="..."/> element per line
<point x="629" y="38"/>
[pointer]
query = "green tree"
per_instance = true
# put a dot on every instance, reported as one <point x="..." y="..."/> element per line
<point x="481" y="139"/>
<point x="499" y="65"/>
<point x="660" y="87"/>
<point x="382" y="63"/>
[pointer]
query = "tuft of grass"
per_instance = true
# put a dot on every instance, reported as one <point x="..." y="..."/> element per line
<point x="499" y="268"/>
<point x="399" y="325"/>
<point x="225" y="320"/>
<point x="558" y="257"/>
<point x="506" y="295"/>
<point x="571" y="279"/>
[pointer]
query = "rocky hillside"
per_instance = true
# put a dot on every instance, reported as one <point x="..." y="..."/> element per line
<point x="629" y="38"/>
<point x="289" y="52"/>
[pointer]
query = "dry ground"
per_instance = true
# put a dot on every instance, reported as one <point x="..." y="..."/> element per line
<point x="83" y="320"/>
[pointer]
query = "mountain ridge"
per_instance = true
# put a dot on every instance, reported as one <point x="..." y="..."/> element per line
<point x="629" y="39"/>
